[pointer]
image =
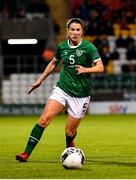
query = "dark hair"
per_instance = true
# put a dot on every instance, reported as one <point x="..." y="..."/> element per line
<point x="75" y="20"/>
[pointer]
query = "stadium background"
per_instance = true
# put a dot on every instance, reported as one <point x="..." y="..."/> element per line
<point x="111" y="27"/>
<point x="108" y="141"/>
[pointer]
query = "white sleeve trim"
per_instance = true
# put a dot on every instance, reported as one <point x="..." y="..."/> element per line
<point x="55" y="59"/>
<point x="97" y="60"/>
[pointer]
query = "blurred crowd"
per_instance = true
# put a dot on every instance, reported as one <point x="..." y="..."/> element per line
<point x="100" y="18"/>
<point x="23" y="8"/>
<point x="26" y="9"/>
<point x="125" y="44"/>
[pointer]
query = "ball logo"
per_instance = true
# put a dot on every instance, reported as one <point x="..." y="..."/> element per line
<point x="72" y="158"/>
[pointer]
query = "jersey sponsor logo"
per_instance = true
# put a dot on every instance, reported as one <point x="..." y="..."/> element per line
<point x="71" y="66"/>
<point x="79" y="52"/>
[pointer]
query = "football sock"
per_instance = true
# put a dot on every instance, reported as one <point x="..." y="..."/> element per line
<point x="35" y="136"/>
<point x="69" y="139"/>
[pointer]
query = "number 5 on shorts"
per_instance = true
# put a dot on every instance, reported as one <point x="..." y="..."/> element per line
<point x="84" y="107"/>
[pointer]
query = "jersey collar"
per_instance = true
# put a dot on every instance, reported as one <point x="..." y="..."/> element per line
<point x="74" y="46"/>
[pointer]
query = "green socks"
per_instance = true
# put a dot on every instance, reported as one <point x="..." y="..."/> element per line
<point x="69" y="140"/>
<point x="35" y="136"/>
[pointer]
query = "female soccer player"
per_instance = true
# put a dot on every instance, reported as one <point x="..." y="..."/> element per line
<point x="79" y="59"/>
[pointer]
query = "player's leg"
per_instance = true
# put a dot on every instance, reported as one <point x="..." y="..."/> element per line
<point x="76" y="108"/>
<point x="71" y="130"/>
<point x="51" y="109"/>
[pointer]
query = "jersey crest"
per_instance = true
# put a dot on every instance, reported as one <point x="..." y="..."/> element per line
<point x="79" y="52"/>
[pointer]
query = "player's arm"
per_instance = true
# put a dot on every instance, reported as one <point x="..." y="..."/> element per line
<point x="48" y="70"/>
<point x="96" y="68"/>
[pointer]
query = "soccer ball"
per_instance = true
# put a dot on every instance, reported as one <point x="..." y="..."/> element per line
<point x="72" y="158"/>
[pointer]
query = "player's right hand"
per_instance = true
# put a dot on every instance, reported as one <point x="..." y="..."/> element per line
<point x="34" y="86"/>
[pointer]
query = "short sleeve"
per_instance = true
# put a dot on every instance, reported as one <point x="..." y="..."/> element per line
<point x="93" y="53"/>
<point x="57" y="55"/>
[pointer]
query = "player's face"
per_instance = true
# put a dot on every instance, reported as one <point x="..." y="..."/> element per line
<point x="75" y="32"/>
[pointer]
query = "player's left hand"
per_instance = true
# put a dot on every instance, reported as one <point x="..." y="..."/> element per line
<point x="80" y="69"/>
<point x="34" y="86"/>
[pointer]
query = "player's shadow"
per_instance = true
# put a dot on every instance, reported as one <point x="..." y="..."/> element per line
<point x="107" y="160"/>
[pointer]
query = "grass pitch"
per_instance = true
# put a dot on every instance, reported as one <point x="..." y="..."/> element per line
<point x="108" y="141"/>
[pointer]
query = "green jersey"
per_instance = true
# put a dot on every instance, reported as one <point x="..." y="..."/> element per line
<point x="76" y="85"/>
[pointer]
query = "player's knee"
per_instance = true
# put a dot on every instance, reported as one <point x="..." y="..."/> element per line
<point x="44" y="121"/>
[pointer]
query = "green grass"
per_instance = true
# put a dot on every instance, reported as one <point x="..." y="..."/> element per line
<point x="108" y="141"/>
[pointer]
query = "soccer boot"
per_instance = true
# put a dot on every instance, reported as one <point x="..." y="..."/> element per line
<point x="22" y="157"/>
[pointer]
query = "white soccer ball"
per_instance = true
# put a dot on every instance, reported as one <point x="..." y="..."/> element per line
<point x="72" y="158"/>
